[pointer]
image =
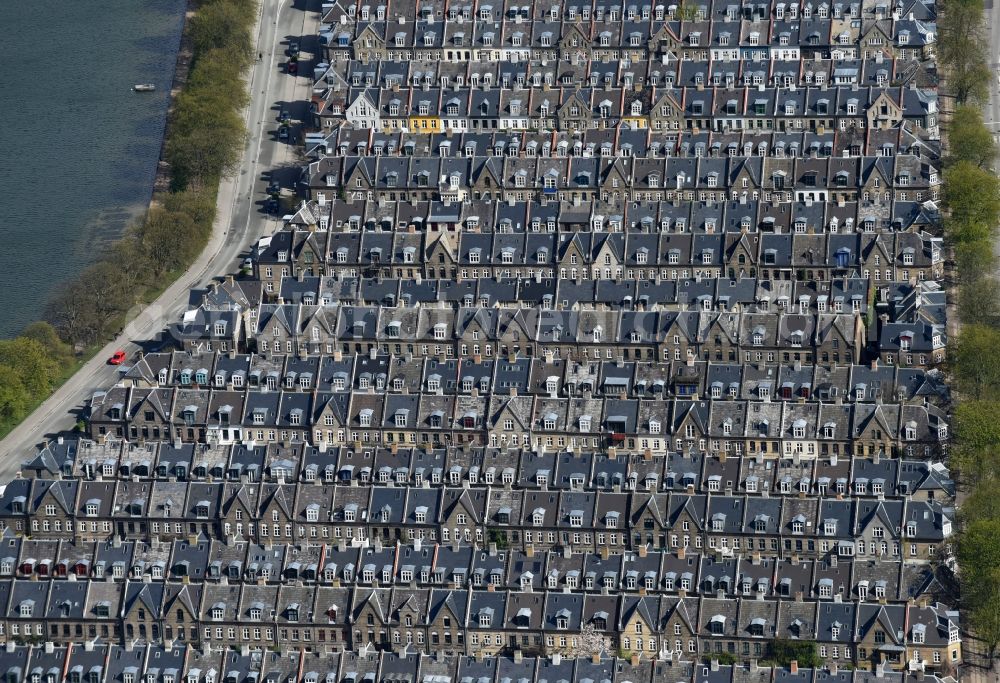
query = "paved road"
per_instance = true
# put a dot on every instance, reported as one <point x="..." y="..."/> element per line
<point x="992" y="112"/>
<point x="238" y="223"/>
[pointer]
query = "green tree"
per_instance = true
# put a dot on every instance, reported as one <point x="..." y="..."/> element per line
<point x="960" y="31"/>
<point x="224" y="25"/>
<point x="984" y="500"/>
<point x="979" y="557"/>
<point x="13" y="395"/>
<point x="199" y="205"/>
<point x="974" y="261"/>
<point x="970" y="140"/>
<point x="962" y="48"/>
<point x="978" y="423"/>
<point x="973" y="197"/>
<point x="973" y="465"/>
<point x="199" y="153"/>
<point x="35" y="369"/>
<point x="46" y="335"/>
<point x="975" y="362"/>
<point x="980" y="301"/>
<point x="169" y="239"/>
<point x="217" y="72"/>
<point x="970" y="82"/>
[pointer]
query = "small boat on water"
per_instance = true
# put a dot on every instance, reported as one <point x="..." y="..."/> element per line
<point x="143" y="87"/>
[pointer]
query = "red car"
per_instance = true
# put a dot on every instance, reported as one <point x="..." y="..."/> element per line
<point x="117" y="358"/>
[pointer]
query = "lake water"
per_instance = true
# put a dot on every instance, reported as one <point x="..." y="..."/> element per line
<point x="78" y="148"/>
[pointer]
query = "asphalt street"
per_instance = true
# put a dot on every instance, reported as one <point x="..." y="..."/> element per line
<point x="240" y="221"/>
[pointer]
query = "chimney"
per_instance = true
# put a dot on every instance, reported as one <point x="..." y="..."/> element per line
<point x="714" y="665"/>
<point x="833" y="668"/>
<point x="518" y="656"/>
<point x="634" y="661"/>
<point x="793" y="666"/>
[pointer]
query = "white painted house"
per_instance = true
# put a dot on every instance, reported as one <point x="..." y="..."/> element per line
<point x="363" y="113"/>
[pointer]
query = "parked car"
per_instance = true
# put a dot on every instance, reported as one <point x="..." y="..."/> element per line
<point x="293" y="67"/>
<point x="283" y="133"/>
<point x="284" y="116"/>
<point x="274" y="188"/>
<point x="117" y="358"/>
<point x="293" y="49"/>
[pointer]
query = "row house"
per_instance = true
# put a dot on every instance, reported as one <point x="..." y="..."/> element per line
<point x="680" y="573"/>
<point x="744" y="242"/>
<point x="874" y="181"/>
<point x="171" y="464"/>
<point x="508" y="418"/>
<point x="328" y="151"/>
<point x="600" y="33"/>
<point x="736" y="104"/>
<point x="154" y="663"/>
<point x="574" y="335"/>
<point x="457" y="622"/>
<point x="781" y="523"/>
<point x="544" y="376"/>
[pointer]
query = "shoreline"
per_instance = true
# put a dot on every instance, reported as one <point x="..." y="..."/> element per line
<point x="182" y="68"/>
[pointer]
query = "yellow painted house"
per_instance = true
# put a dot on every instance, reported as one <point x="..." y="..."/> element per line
<point x="426" y="124"/>
<point x="635" y="122"/>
